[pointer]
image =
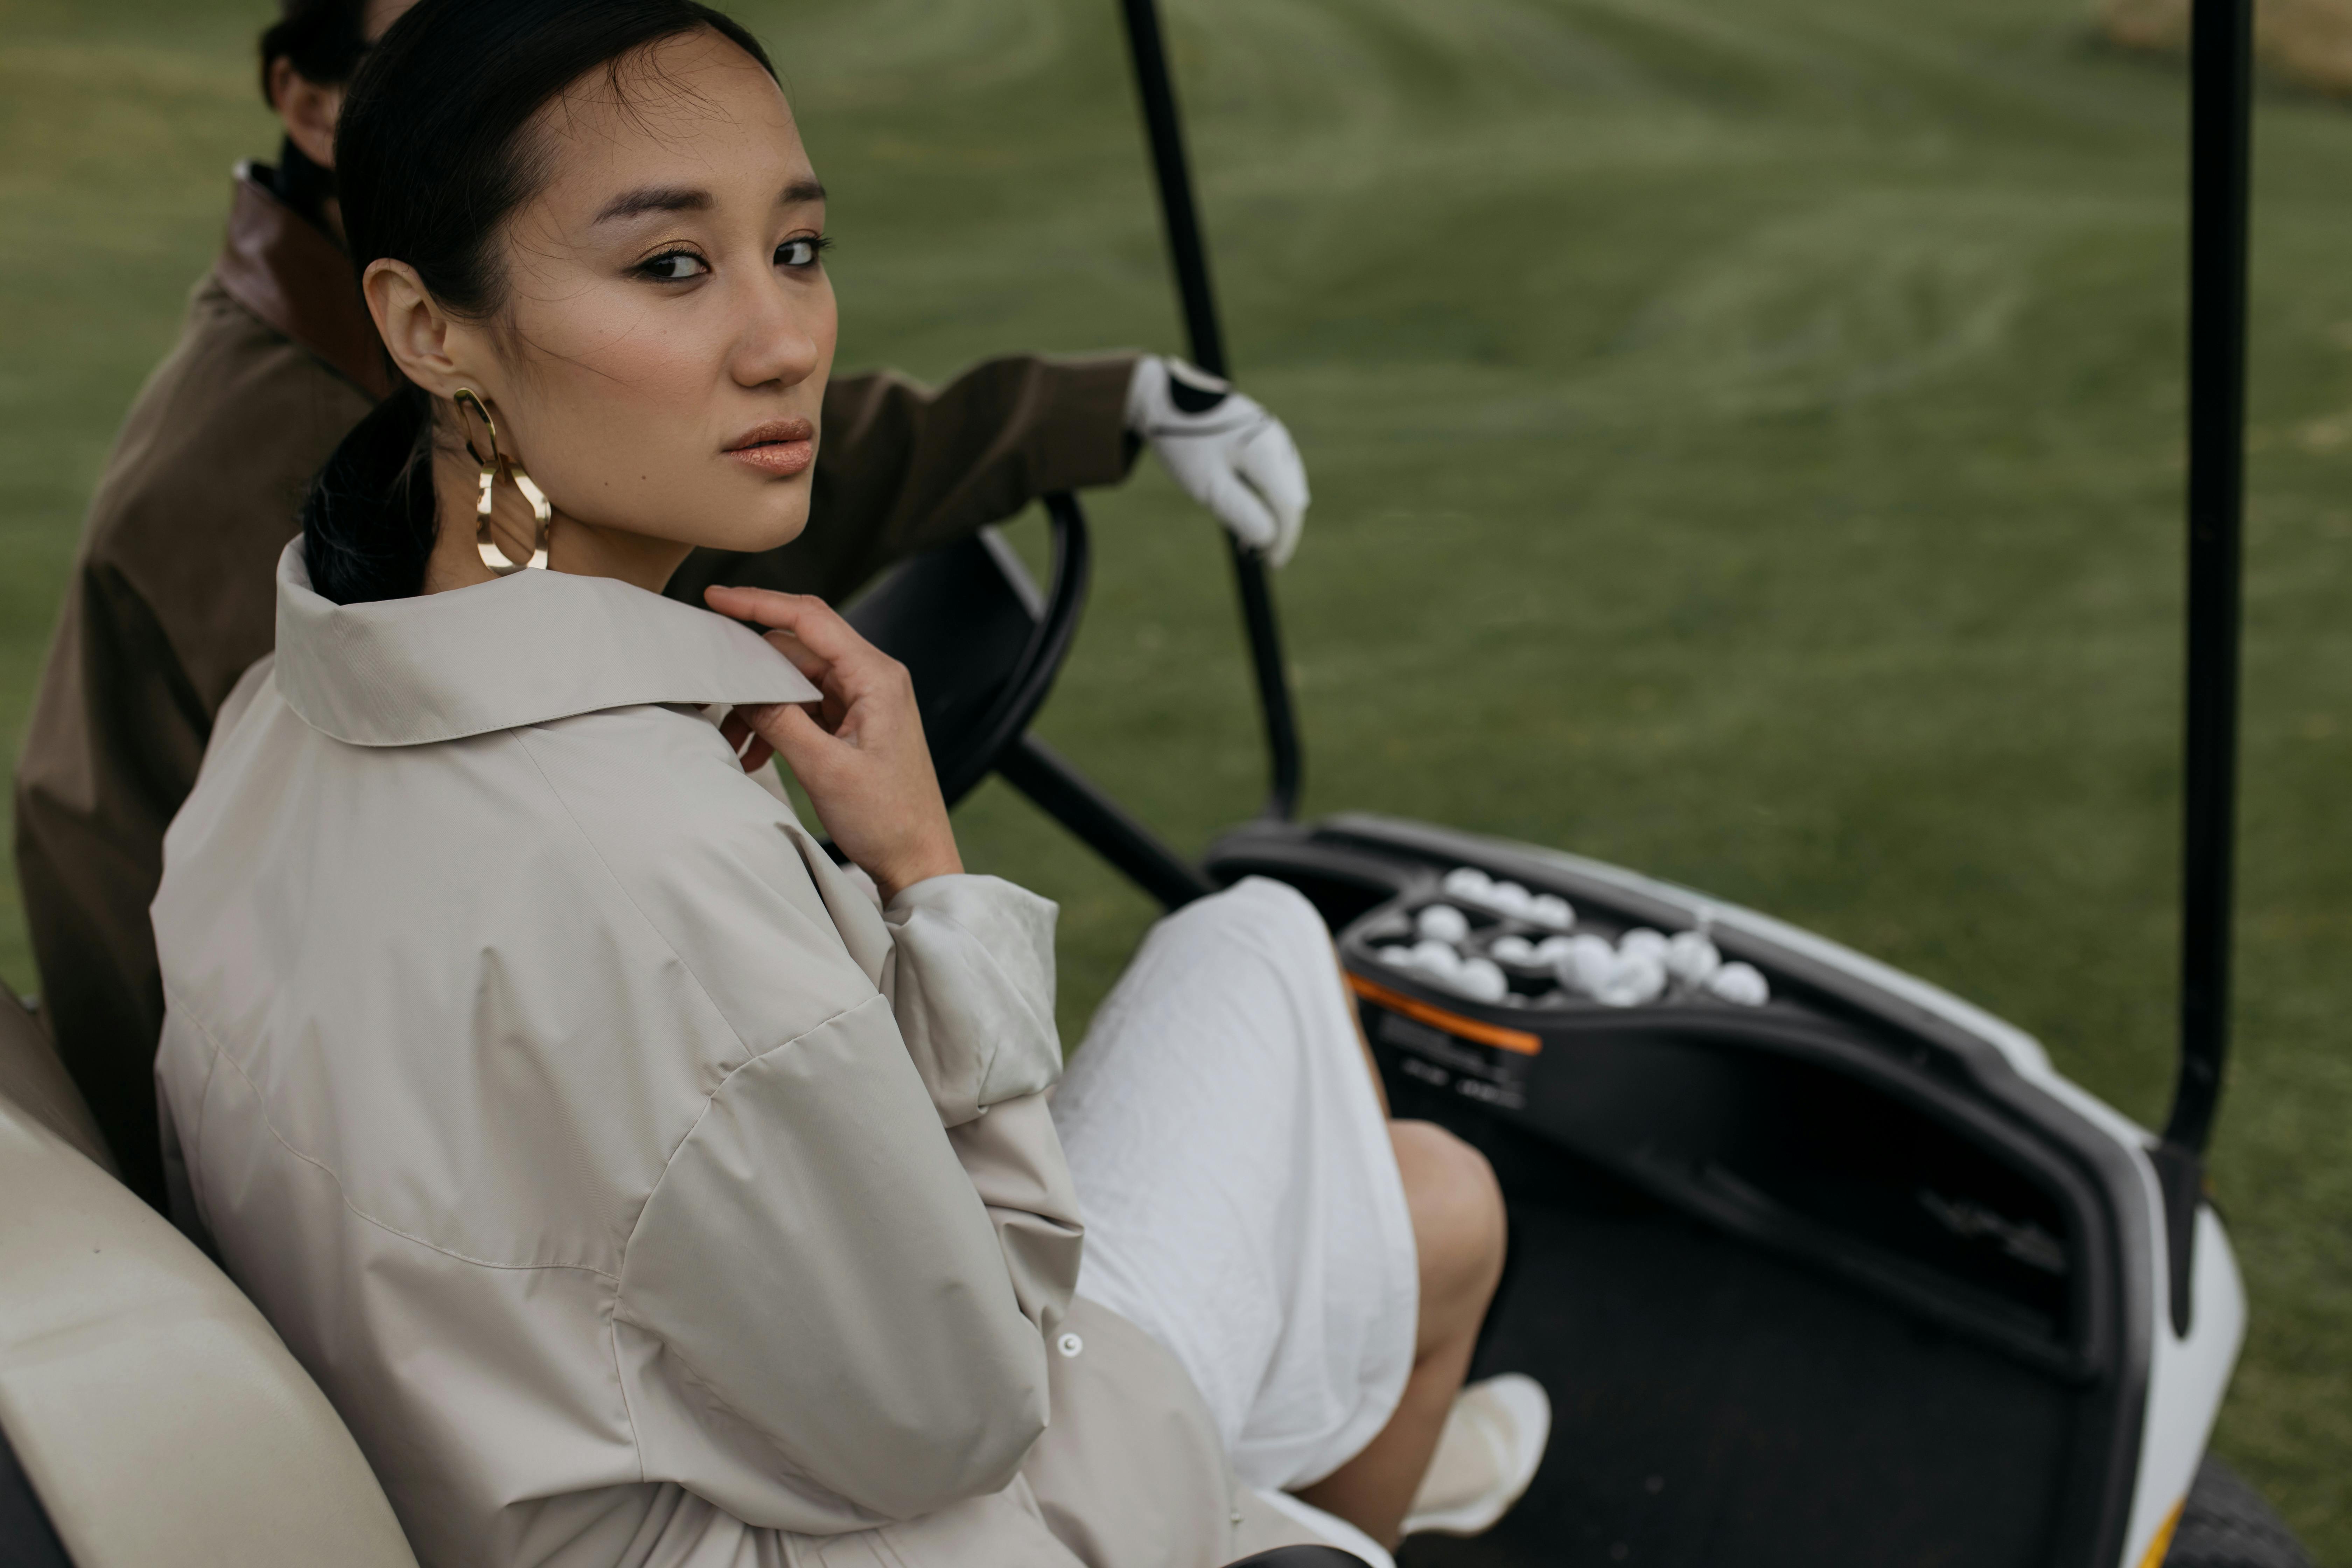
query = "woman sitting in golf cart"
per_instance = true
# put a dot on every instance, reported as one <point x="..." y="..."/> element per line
<point x="642" y="1186"/>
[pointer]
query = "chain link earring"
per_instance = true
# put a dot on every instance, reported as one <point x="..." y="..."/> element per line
<point x="494" y="464"/>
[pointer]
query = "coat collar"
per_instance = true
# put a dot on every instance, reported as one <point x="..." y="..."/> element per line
<point x="526" y="649"/>
<point x="288" y="271"/>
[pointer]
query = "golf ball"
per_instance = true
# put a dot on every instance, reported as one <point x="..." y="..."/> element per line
<point x="1479" y="978"/>
<point x="1510" y="897"/>
<point x="1550" y="910"/>
<point x="1514" y="948"/>
<point x="1587" y="964"/>
<point x="1691" y="957"/>
<point x="1466" y="882"/>
<point x="1553" y="948"/>
<point x="1740" y="983"/>
<point x="1644" y="942"/>
<point x="1436" y="957"/>
<point x="1639" y="977"/>
<point x="1443" y="922"/>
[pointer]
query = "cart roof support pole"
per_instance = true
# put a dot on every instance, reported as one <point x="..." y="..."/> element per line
<point x="2220" y="137"/>
<point x="1190" y="256"/>
<point x="2219" y="133"/>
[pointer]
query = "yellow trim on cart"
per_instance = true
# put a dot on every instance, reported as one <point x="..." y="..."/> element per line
<point x="2162" y="1543"/>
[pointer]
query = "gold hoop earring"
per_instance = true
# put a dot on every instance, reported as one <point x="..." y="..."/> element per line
<point x="494" y="463"/>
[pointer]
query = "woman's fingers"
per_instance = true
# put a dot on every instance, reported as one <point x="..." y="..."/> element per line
<point x="760" y="604"/>
<point x="879" y="802"/>
<point x="790" y="614"/>
<point x="802" y="657"/>
<point x="751" y="748"/>
<point x="860" y="752"/>
<point x="822" y="635"/>
<point x="804" y="615"/>
<point x="803" y="743"/>
<point x="780" y="611"/>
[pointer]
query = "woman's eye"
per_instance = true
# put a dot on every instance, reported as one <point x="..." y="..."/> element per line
<point x="800" y="252"/>
<point x="675" y="266"/>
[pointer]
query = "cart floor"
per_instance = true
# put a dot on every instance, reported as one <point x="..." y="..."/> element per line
<point x="1715" y="1404"/>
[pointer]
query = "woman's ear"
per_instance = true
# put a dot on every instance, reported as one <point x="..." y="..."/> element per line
<point x="411" y="324"/>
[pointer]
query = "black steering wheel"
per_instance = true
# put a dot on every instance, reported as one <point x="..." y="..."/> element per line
<point x="982" y="642"/>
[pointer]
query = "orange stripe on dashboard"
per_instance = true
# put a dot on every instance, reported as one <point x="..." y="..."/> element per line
<point x="1517" y="1040"/>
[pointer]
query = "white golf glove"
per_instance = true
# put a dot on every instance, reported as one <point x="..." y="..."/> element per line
<point x="1226" y="451"/>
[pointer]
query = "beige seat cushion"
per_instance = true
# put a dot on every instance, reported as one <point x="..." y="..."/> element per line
<point x="155" y="1412"/>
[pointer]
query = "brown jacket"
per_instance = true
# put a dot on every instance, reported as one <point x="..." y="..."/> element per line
<point x="172" y="595"/>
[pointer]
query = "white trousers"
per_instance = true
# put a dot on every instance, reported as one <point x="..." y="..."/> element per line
<point x="1240" y="1192"/>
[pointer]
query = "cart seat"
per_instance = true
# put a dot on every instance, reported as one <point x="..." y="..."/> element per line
<point x="150" y="1414"/>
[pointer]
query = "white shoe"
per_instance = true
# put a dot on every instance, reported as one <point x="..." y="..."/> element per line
<point x="1493" y="1441"/>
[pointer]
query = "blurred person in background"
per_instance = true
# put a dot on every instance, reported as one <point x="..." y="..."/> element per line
<point x="172" y="595"/>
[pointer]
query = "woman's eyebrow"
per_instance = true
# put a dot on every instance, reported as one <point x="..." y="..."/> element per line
<point x="656" y="199"/>
<point x="693" y="198"/>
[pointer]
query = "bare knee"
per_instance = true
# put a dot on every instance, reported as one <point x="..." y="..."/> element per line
<point x="1458" y="1226"/>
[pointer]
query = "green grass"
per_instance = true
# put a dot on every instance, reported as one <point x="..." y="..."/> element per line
<point x="1746" y="445"/>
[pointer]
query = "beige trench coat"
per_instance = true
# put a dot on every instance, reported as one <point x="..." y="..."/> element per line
<point x="639" y="1191"/>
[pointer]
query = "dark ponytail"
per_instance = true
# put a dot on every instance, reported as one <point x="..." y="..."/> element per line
<point x="431" y="159"/>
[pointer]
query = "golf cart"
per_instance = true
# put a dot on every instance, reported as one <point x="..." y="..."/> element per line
<point x="1818" y="1264"/>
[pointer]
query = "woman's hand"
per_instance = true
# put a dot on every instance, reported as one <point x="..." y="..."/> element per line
<point x="860" y="752"/>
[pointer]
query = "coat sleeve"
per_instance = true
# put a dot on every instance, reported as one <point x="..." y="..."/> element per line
<point x="173" y="599"/>
<point x="969" y="974"/>
<point x="877" y="1348"/>
<point x="115" y="742"/>
<point x="971" y="982"/>
<point x="902" y="469"/>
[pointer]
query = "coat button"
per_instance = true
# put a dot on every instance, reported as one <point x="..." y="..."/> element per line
<point x="1069" y="1344"/>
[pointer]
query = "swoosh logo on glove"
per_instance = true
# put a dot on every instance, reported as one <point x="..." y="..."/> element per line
<point x="1191" y="399"/>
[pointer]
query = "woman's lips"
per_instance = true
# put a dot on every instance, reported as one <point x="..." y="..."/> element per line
<point x="781" y="448"/>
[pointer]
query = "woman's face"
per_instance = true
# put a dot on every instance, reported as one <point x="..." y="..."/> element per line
<point x="661" y="361"/>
